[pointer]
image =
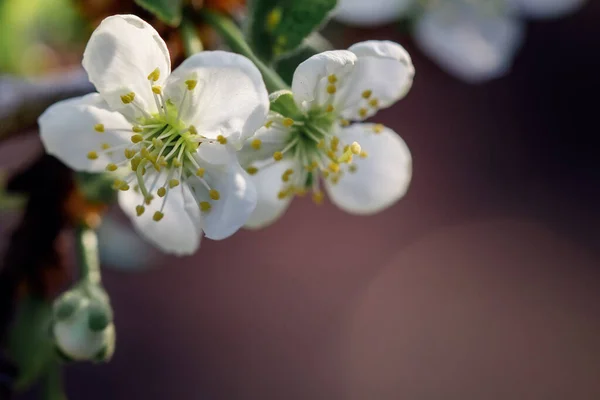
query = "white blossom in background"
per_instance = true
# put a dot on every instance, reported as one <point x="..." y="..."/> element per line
<point x="473" y="40"/>
<point x="310" y="144"/>
<point x="171" y="136"/>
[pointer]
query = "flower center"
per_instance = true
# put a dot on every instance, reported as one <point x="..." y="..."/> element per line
<point x="160" y="142"/>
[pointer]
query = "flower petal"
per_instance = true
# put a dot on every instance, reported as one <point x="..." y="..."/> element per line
<point x="236" y="202"/>
<point x="371" y="13"/>
<point x="179" y="231"/>
<point x="468" y="42"/>
<point x="268" y="184"/>
<point x="380" y="179"/>
<point x="547" y="8"/>
<point x="119" y="57"/>
<point x="67" y="130"/>
<point x="229" y="97"/>
<point x="383" y="74"/>
<point x="265" y="142"/>
<point x="310" y="84"/>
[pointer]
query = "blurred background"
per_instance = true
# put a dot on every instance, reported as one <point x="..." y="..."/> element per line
<point x="482" y="283"/>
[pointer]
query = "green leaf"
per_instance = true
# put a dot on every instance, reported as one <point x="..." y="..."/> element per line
<point x="287" y="65"/>
<point x="30" y="344"/>
<point x="282" y="102"/>
<point x="168" y="11"/>
<point x="278" y="27"/>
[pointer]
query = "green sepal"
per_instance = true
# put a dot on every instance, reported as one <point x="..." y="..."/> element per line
<point x="278" y="27"/>
<point x="282" y="102"/>
<point x="168" y="11"/>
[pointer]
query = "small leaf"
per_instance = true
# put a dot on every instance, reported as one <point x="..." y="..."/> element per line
<point x="168" y="11"/>
<point x="278" y="27"/>
<point x="282" y="102"/>
<point x="30" y="344"/>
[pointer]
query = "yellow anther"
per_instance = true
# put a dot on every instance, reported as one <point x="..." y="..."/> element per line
<point x="99" y="128"/>
<point x="92" y="155"/>
<point x="118" y="183"/>
<point x="321" y="144"/>
<point x="287" y="122"/>
<point x="111" y="167"/>
<point x="282" y="195"/>
<point x="173" y="183"/>
<point x="329" y="108"/>
<point x="157" y="143"/>
<point x="139" y="210"/>
<point x="286" y="175"/>
<point x="128" y="98"/>
<point x="362" y="112"/>
<point x="317" y="197"/>
<point x="145" y="152"/>
<point x="300" y="191"/>
<point x="129" y="153"/>
<point x="355" y="148"/>
<point x="137" y="129"/>
<point x="148" y="199"/>
<point x="363" y="154"/>
<point x="221" y="139"/>
<point x="273" y="19"/>
<point x="162" y="161"/>
<point x="332" y="78"/>
<point x="200" y="172"/>
<point x="334" y="143"/>
<point x="374" y="103"/>
<point x="345" y="149"/>
<point x="214" y="194"/>
<point x="344" y="122"/>
<point x="158" y="216"/>
<point x="331" y="89"/>
<point x="161" y="192"/>
<point x="176" y="163"/>
<point x="124" y="187"/>
<point x="105" y="146"/>
<point x="268" y="124"/>
<point x="137" y="138"/>
<point x="135" y="162"/>
<point x="366" y="94"/>
<point x="252" y="170"/>
<point x="191" y="84"/>
<point x="154" y="75"/>
<point x="256" y="144"/>
<point x="278" y="156"/>
<point x="352" y="168"/>
<point x="193" y="130"/>
<point x="334" y="167"/>
<point x="378" y="128"/>
<point x="156" y="89"/>
<point x="331" y="154"/>
<point x="205" y="206"/>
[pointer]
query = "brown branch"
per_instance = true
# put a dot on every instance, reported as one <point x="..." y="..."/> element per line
<point x="22" y="102"/>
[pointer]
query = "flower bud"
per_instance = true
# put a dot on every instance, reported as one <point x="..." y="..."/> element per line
<point x="83" y="329"/>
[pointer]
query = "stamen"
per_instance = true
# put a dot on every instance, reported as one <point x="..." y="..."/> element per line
<point x="154" y="75"/>
<point x="378" y="128"/>
<point x="256" y="143"/>
<point x="99" y="128"/>
<point x="214" y="194"/>
<point x="252" y="170"/>
<point x="191" y="84"/>
<point x="128" y="98"/>
<point x="362" y="112"/>
<point x="332" y="78"/>
<point x="331" y="89"/>
<point x="158" y="216"/>
<point x="287" y="122"/>
<point x="92" y="155"/>
<point x="139" y="210"/>
<point x="205" y="206"/>
<point x="366" y="94"/>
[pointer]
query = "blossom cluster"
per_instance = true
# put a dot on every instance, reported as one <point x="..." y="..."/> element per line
<point x="205" y="150"/>
<point x="474" y="40"/>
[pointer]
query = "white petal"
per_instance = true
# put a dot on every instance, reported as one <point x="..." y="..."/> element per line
<point x="310" y="81"/>
<point x="547" y="8"/>
<point x="179" y="231"/>
<point x="67" y="132"/>
<point x="268" y="184"/>
<point x="381" y="179"/>
<point x="120" y="55"/>
<point x="272" y="139"/>
<point x="237" y="199"/>
<point x="372" y="12"/>
<point x="230" y="97"/>
<point x="468" y="42"/>
<point x="384" y="70"/>
<point x="216" y="153"/>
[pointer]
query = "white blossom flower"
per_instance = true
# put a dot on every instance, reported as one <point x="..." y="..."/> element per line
<point x="174" y="133"/>
<point x="308" y="139"/>
<point x="473" y="40"/>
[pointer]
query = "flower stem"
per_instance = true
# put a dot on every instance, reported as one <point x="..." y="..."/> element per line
<point x="235" y="39"/>
<point x="191" y="41"/>
<point x="87" y="255"/>
<point x="53" y="383"/>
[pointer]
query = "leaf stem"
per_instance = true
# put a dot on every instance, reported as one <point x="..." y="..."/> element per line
<point x="235" y="39"/>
